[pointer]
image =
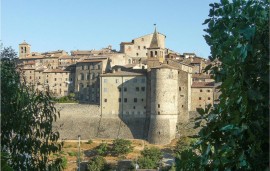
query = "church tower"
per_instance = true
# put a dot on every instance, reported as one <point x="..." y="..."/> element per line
<point x="24" y="50"/>
<point x="155" y="53"/>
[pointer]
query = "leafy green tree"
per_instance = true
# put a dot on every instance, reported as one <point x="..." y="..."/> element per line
<point x="97" y="163"/>
<point x="150" y="158"/>
<point x="27" y="137"/>
<point x="121" y="147"/>
<point x="236" y="136"/>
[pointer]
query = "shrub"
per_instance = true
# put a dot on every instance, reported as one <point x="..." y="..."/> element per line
<point x="150" y="158"/>
<point x="121" y="147"/>
<point x="97" y="163"/>
<point x="102" y="149"/>
<point x="72" y="153"/>
<point x="89" y="142"/>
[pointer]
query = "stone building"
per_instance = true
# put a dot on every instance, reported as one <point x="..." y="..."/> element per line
<point x="202" y="94"/>
<point x="138" y="47"/>
<point x="87" y="81"/>
<point x="57" y="81"/>
<point x="123" y="93"/>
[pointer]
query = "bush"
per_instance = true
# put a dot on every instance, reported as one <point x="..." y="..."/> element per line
<point x="72" y="153"/>
<point x="102" y="149"/>
<point x="97" y="163"/>
<point x="150" y="158"/>
<point x="121" y="147"/>
<point x="89" y="142"/>
<point x="64" y="163"/>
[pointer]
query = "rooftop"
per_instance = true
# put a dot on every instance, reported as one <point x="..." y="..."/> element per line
<point x="202" y="84"/>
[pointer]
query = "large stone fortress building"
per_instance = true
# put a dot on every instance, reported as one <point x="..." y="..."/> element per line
<point x="146" y="85"/>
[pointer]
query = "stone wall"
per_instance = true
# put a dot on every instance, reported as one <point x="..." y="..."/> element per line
<point x="86" y="120"/>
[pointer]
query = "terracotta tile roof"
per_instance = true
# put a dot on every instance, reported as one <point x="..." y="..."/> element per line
<point x="81" y="52"/>
<point x="123" y="73"/>
<point x="201" y="76"/>
<point x="89" y="60"/>
<point x="202" y="84"/>
<point x="196" y="61"/>
<point x="54" y="70"/>
<point x="68" y="57"/>
<point x="164" y="66"/>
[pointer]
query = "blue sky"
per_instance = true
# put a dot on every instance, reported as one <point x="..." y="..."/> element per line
<point x="92" y="24"/>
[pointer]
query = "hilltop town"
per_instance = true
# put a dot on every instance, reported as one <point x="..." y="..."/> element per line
<point x="142" y="91"/>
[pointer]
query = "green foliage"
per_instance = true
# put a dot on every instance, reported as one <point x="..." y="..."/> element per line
<point x="121" y="147"/>
<point x="26" y="120"/>
<point x="102" y="149"/>
<point x="64" y="163"/>
<point x="66" y="99"/>
<point x="236" y="136"/>
<point x="150" y="158"/>
<point x="97" y="163"/>
<point x="72" y="153"/>
<point x="89" y="142"/>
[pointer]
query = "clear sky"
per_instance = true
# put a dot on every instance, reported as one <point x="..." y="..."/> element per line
<point x="93" y="24"/>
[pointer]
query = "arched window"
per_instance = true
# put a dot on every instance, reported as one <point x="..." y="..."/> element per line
<point x="155" y="53"/>
<point x="151" y="54"/>
<point x="21" y="49"/>
<point x="24" y="49"/>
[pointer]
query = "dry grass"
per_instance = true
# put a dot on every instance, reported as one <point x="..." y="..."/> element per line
<point x="70" y="151"/>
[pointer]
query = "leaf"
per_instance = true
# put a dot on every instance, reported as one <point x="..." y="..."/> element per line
<point x="227" y="128"/>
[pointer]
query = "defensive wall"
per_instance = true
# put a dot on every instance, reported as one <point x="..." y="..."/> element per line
<point x="86" y="120"/>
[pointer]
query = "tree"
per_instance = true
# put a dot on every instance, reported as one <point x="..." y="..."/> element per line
<point x="121" y="147"/>
<point x="236" y="136"/>
<point x="150" y="158"/>
<point x="27" y="138"/>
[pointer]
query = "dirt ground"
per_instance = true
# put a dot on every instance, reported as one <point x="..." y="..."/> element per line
<point x="70" y="151"/>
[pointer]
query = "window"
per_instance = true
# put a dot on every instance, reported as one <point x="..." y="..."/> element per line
<point x="93" y="75"/>
<point x="200" y="90"/>
<point x="182" y="106"/>
<point x="82" y="76"/>
<point x="158" y="105"/>
<point x="105" y="80"/>
<point x="151" y="54"/>
<point x="143" y="88"/>
<point x="179" y="88"/>
<point x="105" y="100"/>
<point x="88" y="76"/>
<point x="125" y="89"/>
<point x="135" y="100"/>
<point x="155" y="53"/>
<point x="38" y="77"/>
<point x="158" y="114"/>
<point x="208" y="91"/>
<point x="119" y="99"/>
<point x="200" y="98"/>
<point x="119" y="89"/>
<point x="137" y="54"/>
<point x="54" y="79"/>
<point x="142" y="100"/>
<point x="144" y="47"/>
<point x="139" y="47"/>
<point x="30" y="77"/>
<point x="134" y="107"/>
<point x="137" y="89"/>
<point x="82" y="67"/>
<point x="125" y="100"/>
<point x="98" y="66"/>
<point x="209" y="98"/>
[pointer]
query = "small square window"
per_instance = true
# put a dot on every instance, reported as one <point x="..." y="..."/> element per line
<point x="200" y="90"/>
<point x="200" y="98"/>
<point x="208" y="91"/>
<point x="105" y="100"/>
<point x="143" y="88"/>
<point x="135" y="100"/>
<point x="134" y="107"/>
<point x="142" y="100"/>
<point x="137" y="89"/>
<point x="209" y="98"/>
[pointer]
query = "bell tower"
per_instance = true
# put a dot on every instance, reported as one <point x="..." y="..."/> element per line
<point x="24" y="50"/>
<point x="155" y="53"/>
